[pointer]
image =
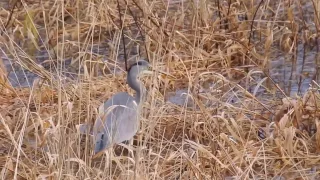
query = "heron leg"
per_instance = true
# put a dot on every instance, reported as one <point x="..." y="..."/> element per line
<point x="131" y="145"/>
<point x="130" y="142"/>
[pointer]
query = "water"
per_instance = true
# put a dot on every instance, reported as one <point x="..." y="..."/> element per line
<point x="302" y="75"/>
<point x="280" y="71"/>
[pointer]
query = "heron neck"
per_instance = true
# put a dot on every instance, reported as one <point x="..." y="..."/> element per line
<point x="140" y="94"/>
<point x="136" y="85"/>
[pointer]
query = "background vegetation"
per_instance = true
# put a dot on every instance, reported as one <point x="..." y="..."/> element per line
<point x="248" y="72"/>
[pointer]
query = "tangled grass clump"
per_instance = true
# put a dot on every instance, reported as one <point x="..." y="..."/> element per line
<point x="239" y="117"/>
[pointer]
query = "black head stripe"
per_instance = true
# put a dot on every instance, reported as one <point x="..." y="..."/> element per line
<point x="139" y="63"/>
<point x="135" y="64"/>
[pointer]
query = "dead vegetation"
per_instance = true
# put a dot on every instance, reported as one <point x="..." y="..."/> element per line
<point x="239" y="120"/>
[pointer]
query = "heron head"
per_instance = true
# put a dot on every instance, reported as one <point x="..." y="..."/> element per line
<point x="140" y="67"/>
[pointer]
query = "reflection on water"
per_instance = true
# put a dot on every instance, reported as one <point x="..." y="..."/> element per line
<point x="296" y="78"/>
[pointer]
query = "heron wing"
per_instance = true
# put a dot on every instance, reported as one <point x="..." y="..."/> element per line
<point x="119" y="120"/>
<point x="127" y="125"/>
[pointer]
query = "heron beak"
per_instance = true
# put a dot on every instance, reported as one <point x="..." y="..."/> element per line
<point x="148" y="72"/>
<point x="152" y="71"/>
<point x="167" y="74"/>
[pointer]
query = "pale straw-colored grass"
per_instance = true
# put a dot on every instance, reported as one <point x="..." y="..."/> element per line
<point x="236" y="121"/>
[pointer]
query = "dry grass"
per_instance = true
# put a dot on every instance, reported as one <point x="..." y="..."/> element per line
<point x="236" y="122"/>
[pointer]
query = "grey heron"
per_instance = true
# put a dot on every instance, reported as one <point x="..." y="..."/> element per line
<point x="120" y="120"/>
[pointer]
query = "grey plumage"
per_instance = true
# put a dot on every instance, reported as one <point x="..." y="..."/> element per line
<point x="120" y="121"/>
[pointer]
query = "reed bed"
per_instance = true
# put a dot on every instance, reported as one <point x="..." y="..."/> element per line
<point x="237" y="121"/>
